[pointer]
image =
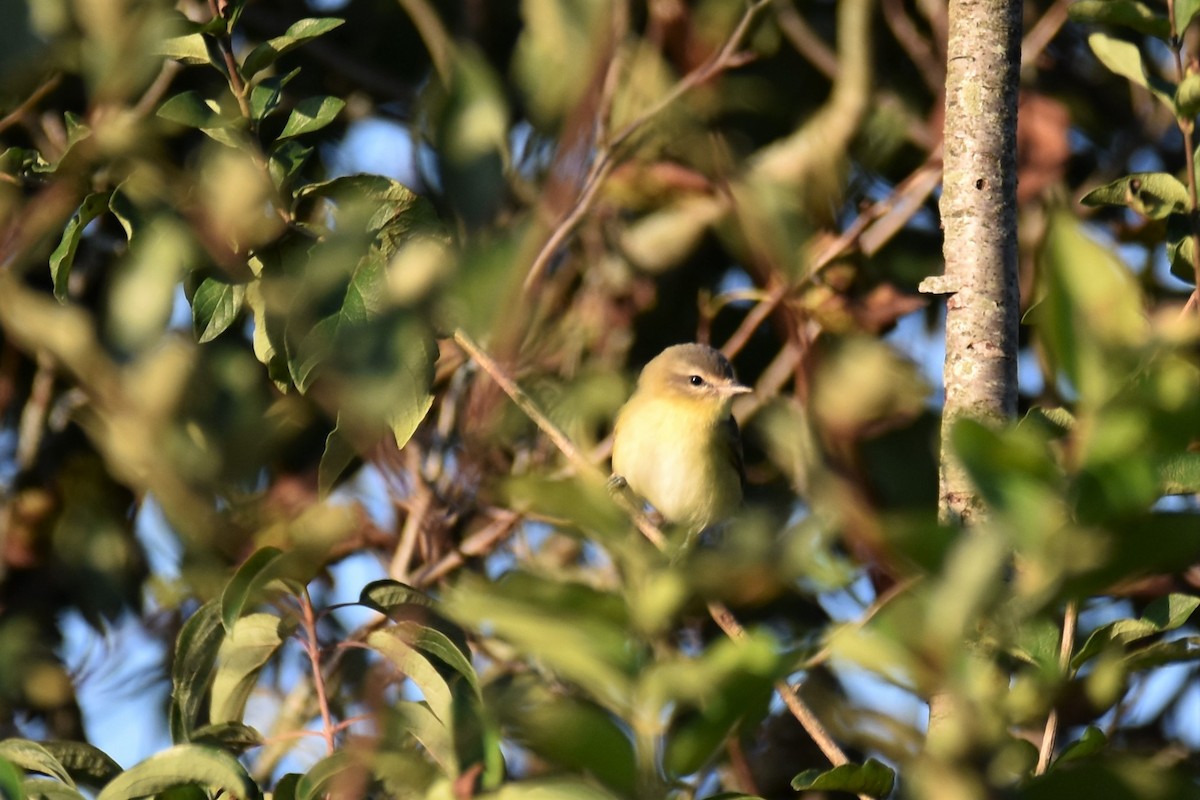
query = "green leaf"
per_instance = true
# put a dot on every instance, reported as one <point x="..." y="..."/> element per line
<point x="550" y="789"/>
<point x="336" y="458"/>
<point x="192" y="670"/>
<point x="191" y="48"/>
<point x="1180" y="474"/>
<point x="1122" y="13"/>
<point x="63" y="257"/>
<point x="1164" y="614"/>
<point x="256" y="575"/>
<point x="1091" y="742"/>
<point x="10" y="782"/>
<point x="315" y="783"/>
<point x="297" y="34"/>
<point x="1156" y="195"/>
<point x="579" y="632"/>
<point x="413" y="394"/>
<point x="192" y="109"/>
<point x="232" y="736"/>
<point x="1181" y="248"/>
<point x="267" y="95"/>
<point x="1185" y="13"/>
<point x="215" y="306"/>
<point x="285" y="787"/>
<point x="1124" y="59"/>
<point x="183" y="764"/>
<point x="285" y="160"/>
<point x="386" y="595"/>
<point x="46" y="789"/>
<point x="85" y="763"/>
<point x="33" y="757"/>
<point x="1187" y="97"/>
<point x="312" y="114"/>
<point x="247" y="648"/>
<point x="432" y="733"/>
<point x="417" y="667"/>
<point x="871" y="778"/>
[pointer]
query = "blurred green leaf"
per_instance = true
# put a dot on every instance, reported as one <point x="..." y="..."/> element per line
<point x="559" y="41"/>
<point x="1092" y="741"/>
<point x="1185" y="13"/>
<point x="1083" y="282"/>
<point x="1180" y="474"/>
<point x="417" y="666"/>
<point x="1164" y="614"/>
<point x="871" y="778"/>
<point x="311" y="114"/>
<point x="336" y="458"/>
<point x="247" y="648"/>
<point x="575" y="630"/>
<point x="315" y="783"/>
<point x="1121" y="13"/>
<point x="1187" y="96"/>
<point x="215" y="306"/>
<point x="182" y="764"/>
<point x="1113" y="777"/>
<point x="192" y="109"/>
<point x="63" y="257"/>
<point x="433" y="734"/>
<point x="305" y="30"/>
<point x="1125" y="59"/>
<point x="1155" y="195"/>
<point x="190" y="48"/>
<point x="285" y="160"/>
<point x="549" y="789"/>
<point x="10" y="782"/>
<point x="569" y="732"/>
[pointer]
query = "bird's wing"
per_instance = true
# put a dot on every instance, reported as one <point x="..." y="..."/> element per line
<point x="733" y="437"/>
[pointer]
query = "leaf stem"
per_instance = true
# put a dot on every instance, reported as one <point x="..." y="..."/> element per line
<point x="1070" y="619"/>
<point x="312" y="646"/>
<point x="1187" y="127"/>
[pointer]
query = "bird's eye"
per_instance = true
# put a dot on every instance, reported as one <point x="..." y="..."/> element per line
<point x="696" y="380"/>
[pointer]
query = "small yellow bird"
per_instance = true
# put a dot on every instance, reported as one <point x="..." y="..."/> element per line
<point x="675" y="442"/>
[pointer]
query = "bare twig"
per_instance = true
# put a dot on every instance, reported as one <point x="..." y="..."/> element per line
<point x="18" y="113"/>
<point x="805" y="40"/>
<point x="1070" y="618"/>
<point x="312" y="646"/>
<point x="231" y="66"/>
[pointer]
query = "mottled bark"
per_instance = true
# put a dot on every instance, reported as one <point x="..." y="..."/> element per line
<point x="978" y="208"/>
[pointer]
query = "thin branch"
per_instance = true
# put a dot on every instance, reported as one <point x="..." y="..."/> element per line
<point x="805" y="40"/>
<point x="18" y="113"/>
<point x="236" y="84"/>
<point x="312" y="646"/>
<point x="433" y="34"/>
<point x="1070" y="619"/>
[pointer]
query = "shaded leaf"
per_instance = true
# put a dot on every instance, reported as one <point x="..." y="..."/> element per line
<point x="386" y="595"/>
<point x="232" y="736"/>
<point x="85" y="763"/>
<point x="264" y="567"/>
<point x="432" y="733"/>
<point x="191" y="48"/>
<point x="267" y="95"/>
<point x="215" y="306"/>
<point x="46" y="789"/>
<point x="1164" y="614"/>
<point x="63" y="257"/>
<point x="10" y="782"/>
<point x="192" y="669"/>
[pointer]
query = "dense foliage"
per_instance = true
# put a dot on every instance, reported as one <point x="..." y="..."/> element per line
<point x="317" y="308"/>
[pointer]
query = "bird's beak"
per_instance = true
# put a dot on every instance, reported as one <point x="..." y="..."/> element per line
<point x="734" y="389"/>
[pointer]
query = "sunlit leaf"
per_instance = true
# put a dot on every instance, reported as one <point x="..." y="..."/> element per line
<point x="386" y="595"/>
<point x="182" y="764"/>
<point x="1125" y="59"/>
<point x="191" y="48"/>
<point x="315" y="783"/>
<point x="432" y="733"/>
<point x="871" y="778"/>
<point x="10" y="782"/>
<point x="256" y="576"/>
<point x="311" y="114"/>
<point x="267" y="95"/>
<point x="305" y="30"/>
<point x="46" y="789"/>
<point x="416" y="665"/>
<point x="33" y="757"/>
<point x="1156" y="195"/>
<point x="1164" y="614"/>
<point x="247" y="648"/>
<point x="1121" y="13"/>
